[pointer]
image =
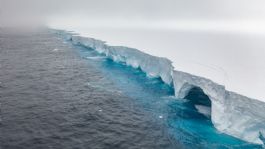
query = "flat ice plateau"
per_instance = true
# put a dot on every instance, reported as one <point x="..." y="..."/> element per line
<point x="231" y="113"/>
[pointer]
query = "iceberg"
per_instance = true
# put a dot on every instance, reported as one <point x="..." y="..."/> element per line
<point x="132" y="57"/>
<point x="231" y="113"/>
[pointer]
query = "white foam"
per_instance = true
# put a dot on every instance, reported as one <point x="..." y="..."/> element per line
<point x="95" y="57"/>
<point x="231" y="113"/>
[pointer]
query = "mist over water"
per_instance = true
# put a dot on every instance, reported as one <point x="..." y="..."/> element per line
<point x="57" y="95"/>
<point x="54" y="97"/>
<point x="191" y="14"/>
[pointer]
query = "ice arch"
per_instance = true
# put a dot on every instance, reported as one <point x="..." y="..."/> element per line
<point x="185" y="89"/>
<point x="184" y="82"/>
<point x="231" y="113"/>
<point x="199" y="100"/>
<point x="198" y="97"/>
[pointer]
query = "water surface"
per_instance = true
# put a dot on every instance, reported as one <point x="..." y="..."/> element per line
<point x="183" y="123"/>
<point x="57" y="95"/>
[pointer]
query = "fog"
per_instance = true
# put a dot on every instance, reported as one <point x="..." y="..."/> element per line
<point x="220" y="40"/>
<point x="238" y="15"/>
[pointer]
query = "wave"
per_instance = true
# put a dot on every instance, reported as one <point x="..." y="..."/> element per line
<point x="231" y="113"/>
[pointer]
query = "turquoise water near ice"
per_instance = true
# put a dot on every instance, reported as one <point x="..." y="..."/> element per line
<point x="182" y="122"/>
<point x="57" y="95"/>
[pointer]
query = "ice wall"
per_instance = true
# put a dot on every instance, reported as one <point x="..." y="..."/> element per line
<point x="131" y="57"/>
<point x="231" y="113"/>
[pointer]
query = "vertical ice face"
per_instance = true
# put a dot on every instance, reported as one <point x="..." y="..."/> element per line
<point x="231" y="113"/>
<point x="153" y="66"/>
<point x="244" y="117"/>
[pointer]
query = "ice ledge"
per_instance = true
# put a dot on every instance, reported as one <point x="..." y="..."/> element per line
<point x="231" y="113"/>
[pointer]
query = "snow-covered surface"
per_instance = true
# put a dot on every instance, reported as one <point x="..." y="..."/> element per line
<point x="235" y="60"/>
<point x="231" y="113"/>
<point x="131" y="57"/>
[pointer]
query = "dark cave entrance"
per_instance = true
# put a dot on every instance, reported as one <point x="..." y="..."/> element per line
<point x="200" y="101"/>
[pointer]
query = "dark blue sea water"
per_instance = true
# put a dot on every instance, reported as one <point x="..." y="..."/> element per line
<point x="56" y="95"/>
<point x="181" y="120"/>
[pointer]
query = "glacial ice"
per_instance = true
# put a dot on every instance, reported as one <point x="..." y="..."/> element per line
<point x="231" y="113"/>
<point x="205" y="110"/>
<point x="131" y="57"/>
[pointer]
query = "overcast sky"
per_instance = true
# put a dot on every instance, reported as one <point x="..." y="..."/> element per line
<point x="248" y="14"/>
<point x="208" y="32"/>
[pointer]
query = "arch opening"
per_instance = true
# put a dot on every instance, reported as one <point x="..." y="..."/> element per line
<point x="199" y="100"/>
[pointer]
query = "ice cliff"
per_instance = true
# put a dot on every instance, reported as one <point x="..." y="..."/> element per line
<point x="231" y="113"/>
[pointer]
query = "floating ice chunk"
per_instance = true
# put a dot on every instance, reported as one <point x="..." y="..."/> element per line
<point x="95" y="57"/>
<point x="205" y="110"/>
<point x="231" y="113"/>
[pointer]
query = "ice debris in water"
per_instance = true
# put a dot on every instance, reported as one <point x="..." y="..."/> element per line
<point x="231" y="113"/>
<point x="95" y="57"/>
<point x="205" y="110"/>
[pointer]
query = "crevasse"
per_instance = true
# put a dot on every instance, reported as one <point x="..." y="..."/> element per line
<point x="231" y="113"/>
